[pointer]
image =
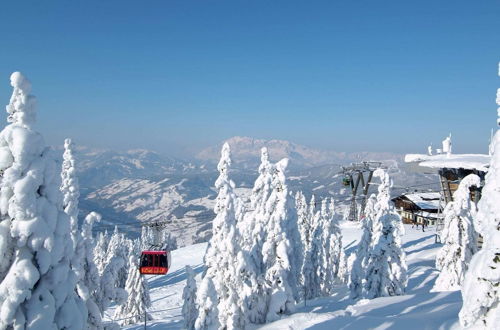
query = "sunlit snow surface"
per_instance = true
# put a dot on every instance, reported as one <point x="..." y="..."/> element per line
<point x="418" y="309"/>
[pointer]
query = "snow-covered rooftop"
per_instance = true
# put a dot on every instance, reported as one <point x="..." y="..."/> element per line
<point x="425" y="201"/>
<point x="466" y="161"/>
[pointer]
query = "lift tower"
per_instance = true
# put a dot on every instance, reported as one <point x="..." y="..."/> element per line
<point x="354" y="175"/>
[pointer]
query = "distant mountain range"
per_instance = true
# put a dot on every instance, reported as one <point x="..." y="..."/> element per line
<point x="141" y="185"/>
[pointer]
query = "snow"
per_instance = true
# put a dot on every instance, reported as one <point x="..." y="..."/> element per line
<point x="425" y="201"/>
<point x="465" y="161"/>
<point x="418" y="308"/>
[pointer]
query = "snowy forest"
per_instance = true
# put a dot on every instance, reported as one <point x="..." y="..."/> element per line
<point x="282" y="259"/>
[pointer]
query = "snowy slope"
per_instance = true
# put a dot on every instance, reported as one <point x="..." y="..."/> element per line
<point x="418" y="309"/>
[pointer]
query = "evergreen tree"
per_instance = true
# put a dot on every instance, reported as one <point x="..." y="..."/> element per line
<point x="333" y="256"/>
<point x="133" y="310"/>
<point x="189" y="310"/>
<point x="312" y="256"/>
<point x="88" y="277"/>
<point x="481" y="287"/>
<point x="207" y="301"/>
<point x="459" y="238"/>
<point x="221" y="255"/>
<point x="100" y="251"/>
<point x="37" y="284"/>
<point x="360" y="257"/>
<point x="277" y="248"/>
<point x="385" y="267"/>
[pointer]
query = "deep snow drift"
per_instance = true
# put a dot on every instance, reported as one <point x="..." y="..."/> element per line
<point x="417" y="309"/>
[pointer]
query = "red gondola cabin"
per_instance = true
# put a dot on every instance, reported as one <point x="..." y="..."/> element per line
<point x="154" y="262"/>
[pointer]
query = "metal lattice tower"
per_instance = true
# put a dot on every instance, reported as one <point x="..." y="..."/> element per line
<point x="355" y="173"/>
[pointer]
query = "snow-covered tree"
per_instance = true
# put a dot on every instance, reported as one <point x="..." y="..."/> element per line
<point x="207" y="300"/>
<point x="312" y="257"/>
<point x="221" y="255"/>
<point x="109" y="289"/>
<point x="481" y="287"/>
<point x="189" y="310"/>
<point x="333" y="256"/>
<point x="386" y="266"/>
<point x="119" y="246"/>
<point x="252" y="227"/>
<point x="459" y="238"/>
<point x="87" y="274"/>
<point x="100" y="251"/>
<point x="133" y="310"/>
<point x="37" y="284"/>
<point x="360" y="257"/>
<point x="70" y="188"/>
<point x="276" y="250"/>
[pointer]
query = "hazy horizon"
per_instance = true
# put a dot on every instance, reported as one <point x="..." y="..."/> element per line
<point x="176" y="76"/>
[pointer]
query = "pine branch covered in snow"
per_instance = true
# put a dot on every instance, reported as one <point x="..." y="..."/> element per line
<point x="386" y="266"/>
<point x="481" y="287"/>
<point x="70" y="188"/>
<point x="37" y="285"/>
<point x="458" y="236"/>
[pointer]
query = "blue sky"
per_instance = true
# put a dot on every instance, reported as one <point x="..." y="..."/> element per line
<point x="177" y="76"/>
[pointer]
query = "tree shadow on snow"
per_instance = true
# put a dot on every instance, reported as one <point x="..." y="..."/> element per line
<point x="417" y="241"/>
<point x="423" y="311"/>
<point x="174" y="277"/>
<point x="159" y="325"/>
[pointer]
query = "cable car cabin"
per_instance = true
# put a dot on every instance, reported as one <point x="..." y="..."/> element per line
<point x="154" y="262"/>
<point x="346" y="181"/>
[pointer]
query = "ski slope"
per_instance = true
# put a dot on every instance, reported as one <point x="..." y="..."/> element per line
<point x="417" y="309"/>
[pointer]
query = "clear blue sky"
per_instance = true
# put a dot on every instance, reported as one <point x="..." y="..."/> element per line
<point x="175" y="76"/>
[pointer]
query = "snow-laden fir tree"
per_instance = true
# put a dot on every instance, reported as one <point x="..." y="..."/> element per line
<point x="360" y="257"/>
<point x="253" y="231"/>
<point x="109" y="290"/>
<point x="221" y="257"/>
<point x="88" y="276"/>
<point x="70" y="188"/>
<point x="100" y="251"/>
<point x="207" y="301"/>
<point x="119" y="246"/>
<point x="276" y="251"/>
<point x="312" y="256"/>
<point x="189" y="309"/>
<point x="386" y="266"/>
<point x="37" y="284"/>
<point x="133" y="310"/>
<point x="333" y="257"/>
<point x="481" y="287"/>
<point x="459" y="237"/>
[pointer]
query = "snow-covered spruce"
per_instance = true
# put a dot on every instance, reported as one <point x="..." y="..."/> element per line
<point x="133" y="310"/>
<point x="481" y="287"/>
<point x="333" y="256"/>
<point x="189" y="310"/>
<point x="88" y="276"/>
<point x="100" y="251"/>
<point x="252" y="229"/>
<point x="221" y="258"/>
<point x="280" y="281"/>
<point x="359" y="258"/>
<point x="70" y="188"/>
<point x="207" y="301"/>
<point x="312" y="256"/>
<point x="121" y="247"/>
<point x="386" y="266"/>
<point x="459" y="238"/>
<point x="37" y="285"/>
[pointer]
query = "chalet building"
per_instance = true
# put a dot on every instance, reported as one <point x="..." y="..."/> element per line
<point x="419" y="207"/>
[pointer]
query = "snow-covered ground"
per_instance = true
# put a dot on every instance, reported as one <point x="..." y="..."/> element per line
<point x="417" y="309"/>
